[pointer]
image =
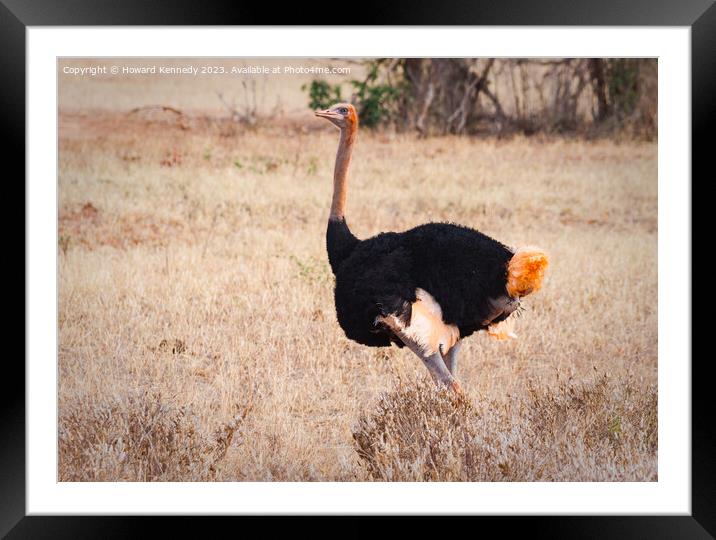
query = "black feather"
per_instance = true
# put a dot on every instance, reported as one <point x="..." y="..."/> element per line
<point x="459" y="266"/>
<point x="340" y="241"/>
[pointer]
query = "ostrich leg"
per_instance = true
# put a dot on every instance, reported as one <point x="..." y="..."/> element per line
<point x="435" y="364"/>
<point x="426" y="335"/>
<point x="451" y="359"/>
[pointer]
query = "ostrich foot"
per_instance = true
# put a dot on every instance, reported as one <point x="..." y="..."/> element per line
<point x="457" y="388"/>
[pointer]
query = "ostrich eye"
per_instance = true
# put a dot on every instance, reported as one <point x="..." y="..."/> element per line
<point x="343" y="110"/>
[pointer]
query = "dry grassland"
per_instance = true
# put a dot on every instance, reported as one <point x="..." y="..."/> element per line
<point x="197" y="333"/>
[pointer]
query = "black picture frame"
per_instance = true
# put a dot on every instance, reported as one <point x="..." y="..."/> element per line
<point x="699" y="15"/>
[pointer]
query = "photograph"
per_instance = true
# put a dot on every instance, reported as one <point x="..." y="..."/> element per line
<point x="357" y="269"/>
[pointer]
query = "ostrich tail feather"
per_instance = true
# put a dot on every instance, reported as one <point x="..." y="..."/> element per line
<point x="525" y="271"/>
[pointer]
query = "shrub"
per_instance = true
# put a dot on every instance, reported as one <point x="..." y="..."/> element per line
<point x="376" y="101"/>
<point x="321" y="94"/>
<point x="598" y="431"/>
<point x="417" y="432"/>
<point x="139" y="438"/>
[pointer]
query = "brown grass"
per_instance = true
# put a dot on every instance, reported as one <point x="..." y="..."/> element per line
<point x="192" y="269"/>
<point x="140" y="437"/>
<point x="598" y="431"/>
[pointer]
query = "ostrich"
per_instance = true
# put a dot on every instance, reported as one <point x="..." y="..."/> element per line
<point x="426" y="288"/>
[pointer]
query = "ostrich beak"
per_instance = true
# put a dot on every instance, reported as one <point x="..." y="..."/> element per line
<point x="326" y="114"/>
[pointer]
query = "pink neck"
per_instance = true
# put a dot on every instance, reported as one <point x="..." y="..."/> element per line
<point x="340" y="173"/>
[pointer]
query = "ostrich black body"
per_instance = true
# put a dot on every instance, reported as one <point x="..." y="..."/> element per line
<point x="339" y="242"/>
<point x="459" y="266"/>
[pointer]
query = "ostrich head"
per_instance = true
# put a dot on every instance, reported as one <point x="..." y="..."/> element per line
<point x="341" y="115"/>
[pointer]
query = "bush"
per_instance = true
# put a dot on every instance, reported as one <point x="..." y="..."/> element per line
<point x="373" y="100"/>
<point x="599" y="431"/>
<point x="376" y="101"/>
<point x="321" y="94"/>
<point x="417" y="433"/>
<point x="623" y="77"/>
<point x="139" y="438"/>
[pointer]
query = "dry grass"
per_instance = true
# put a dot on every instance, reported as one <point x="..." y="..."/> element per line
<point x="192" y="269"/>
<point x="140" y="438"/>
<point x="599" y="431"/>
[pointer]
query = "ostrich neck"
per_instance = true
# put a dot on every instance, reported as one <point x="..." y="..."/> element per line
<point x="340" y="174"/>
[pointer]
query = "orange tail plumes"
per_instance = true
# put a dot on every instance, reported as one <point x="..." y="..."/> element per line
<point x="525" y="271"/>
